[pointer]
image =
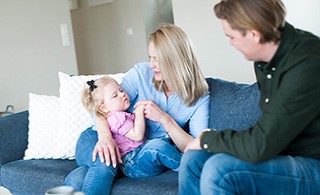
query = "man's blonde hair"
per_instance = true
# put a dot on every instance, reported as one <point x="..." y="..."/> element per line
<point x="265" y="16"/>
<point x="178" y="64"/>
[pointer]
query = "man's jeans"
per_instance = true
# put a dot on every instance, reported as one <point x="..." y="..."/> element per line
<point x="206" y="173"/>
<point x="94" y="178"/>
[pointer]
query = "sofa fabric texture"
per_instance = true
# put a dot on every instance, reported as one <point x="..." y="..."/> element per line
<point x="232" y="106"/>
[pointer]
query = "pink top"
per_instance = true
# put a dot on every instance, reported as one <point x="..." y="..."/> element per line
<point x="120" y="123"/>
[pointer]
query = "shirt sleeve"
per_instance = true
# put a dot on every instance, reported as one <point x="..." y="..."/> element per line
<point x="200" y="119"/>
<point x="289" y="111"/>
<point x="121" y="122"/>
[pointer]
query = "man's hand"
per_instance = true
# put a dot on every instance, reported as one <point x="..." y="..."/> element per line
<point x="107" y="150"/>
<point x="193" y="145"/>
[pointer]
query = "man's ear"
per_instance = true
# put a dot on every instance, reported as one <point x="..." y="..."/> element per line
<point x="255" y="35"/>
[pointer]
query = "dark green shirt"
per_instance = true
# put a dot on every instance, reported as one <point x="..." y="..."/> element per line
<point x="290" y="105"/>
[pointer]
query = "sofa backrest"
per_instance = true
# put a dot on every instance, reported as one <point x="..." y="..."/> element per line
<point x="13" y="137"/>
<point x="233" y="105"/>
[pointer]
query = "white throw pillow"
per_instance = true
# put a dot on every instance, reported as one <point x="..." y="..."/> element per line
<point x="44" y="127"/>
<point x="74" y="118"/>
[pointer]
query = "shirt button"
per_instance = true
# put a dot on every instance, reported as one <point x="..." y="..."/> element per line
<point x="205" y="146"/>
<point x="269" y="76"/>
<point x="273" y="69"/>
<point x="266" y="100"/>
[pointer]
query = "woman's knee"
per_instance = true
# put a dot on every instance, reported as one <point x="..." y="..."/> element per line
<point x="88" y="137"/>
<point x="76" y="177"/>
<point x="103" y="170"/>
<point x="85" y="146"/>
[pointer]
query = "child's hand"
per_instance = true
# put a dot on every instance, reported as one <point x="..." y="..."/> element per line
<point x="139" y="109"/>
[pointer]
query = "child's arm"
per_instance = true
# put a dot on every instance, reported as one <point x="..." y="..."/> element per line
<point x="137" y="133"/>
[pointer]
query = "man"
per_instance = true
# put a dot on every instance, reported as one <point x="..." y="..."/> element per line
<point x="280" y="154"/>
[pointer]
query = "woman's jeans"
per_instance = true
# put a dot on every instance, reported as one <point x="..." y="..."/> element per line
<point x="207" y="173"/>
<point x="94" y="178"/>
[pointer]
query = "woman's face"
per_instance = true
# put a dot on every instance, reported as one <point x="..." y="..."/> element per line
<point x="154" y="63"/>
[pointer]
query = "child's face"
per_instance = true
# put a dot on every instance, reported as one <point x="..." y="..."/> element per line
<point x="115" y="99"/>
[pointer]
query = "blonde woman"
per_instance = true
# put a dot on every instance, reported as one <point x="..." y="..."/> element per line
<point x="173" y="92"/>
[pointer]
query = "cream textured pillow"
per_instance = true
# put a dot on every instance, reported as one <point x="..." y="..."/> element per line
<point x="43" y="127"/>
<point x="74" y="118"/>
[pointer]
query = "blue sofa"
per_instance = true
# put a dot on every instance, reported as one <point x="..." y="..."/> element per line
<point x="232" y="105"/>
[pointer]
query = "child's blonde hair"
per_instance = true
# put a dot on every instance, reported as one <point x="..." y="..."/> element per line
<point x="92" y="95"/>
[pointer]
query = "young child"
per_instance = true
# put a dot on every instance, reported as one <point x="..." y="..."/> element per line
<point x="104" y="97"/>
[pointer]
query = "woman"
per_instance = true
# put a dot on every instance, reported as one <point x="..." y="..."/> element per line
<point x="172" y="90"/>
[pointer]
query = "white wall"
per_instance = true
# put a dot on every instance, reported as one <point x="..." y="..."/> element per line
<point x="304" y="14"/>
<point x="31" y="53"/>
<point x="103" y="44"/>
<point x="156" y="12"/>
<point x="217" y="57"/>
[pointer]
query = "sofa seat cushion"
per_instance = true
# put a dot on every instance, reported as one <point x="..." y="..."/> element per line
<point x="35" y="176"/>
<point x="165" y="183"/>
<point x="233" y="105"/>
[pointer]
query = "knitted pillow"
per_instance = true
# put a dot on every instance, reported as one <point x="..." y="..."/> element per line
<point x="233" y="105"/>
<point x="74" y="118"/>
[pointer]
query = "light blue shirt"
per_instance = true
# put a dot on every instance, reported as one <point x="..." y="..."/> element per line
<point x="139" y="86"/>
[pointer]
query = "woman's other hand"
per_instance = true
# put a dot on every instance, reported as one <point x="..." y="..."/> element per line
<point x="193" y="145"/>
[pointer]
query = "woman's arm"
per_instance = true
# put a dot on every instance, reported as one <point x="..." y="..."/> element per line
<point x="177" y="134"/>
<point x="106" y="148"/>
<point x="137" y="133"/>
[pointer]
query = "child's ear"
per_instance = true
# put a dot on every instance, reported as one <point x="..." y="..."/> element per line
<point x="103" y="108"/>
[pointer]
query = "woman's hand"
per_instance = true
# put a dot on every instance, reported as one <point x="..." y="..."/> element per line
<point x="152" y="111"/>
<point x="106" y="147"/>
<point x="193" y="145"/>
<point x="107" y="150"/>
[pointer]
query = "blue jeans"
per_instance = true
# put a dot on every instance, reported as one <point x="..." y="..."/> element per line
<point x="206" y="173"/>
<point x="94" y="178"/>
<point x="151" y="158"/>
<point x="90" y="177"/>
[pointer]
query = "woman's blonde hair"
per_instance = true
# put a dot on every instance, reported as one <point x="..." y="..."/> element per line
<point x="264" y="16"/>
<point x="178" y="64"/>
<point x="92" y="95"/>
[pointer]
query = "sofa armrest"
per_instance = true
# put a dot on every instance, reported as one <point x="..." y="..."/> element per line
<point x="13" y="137"/>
